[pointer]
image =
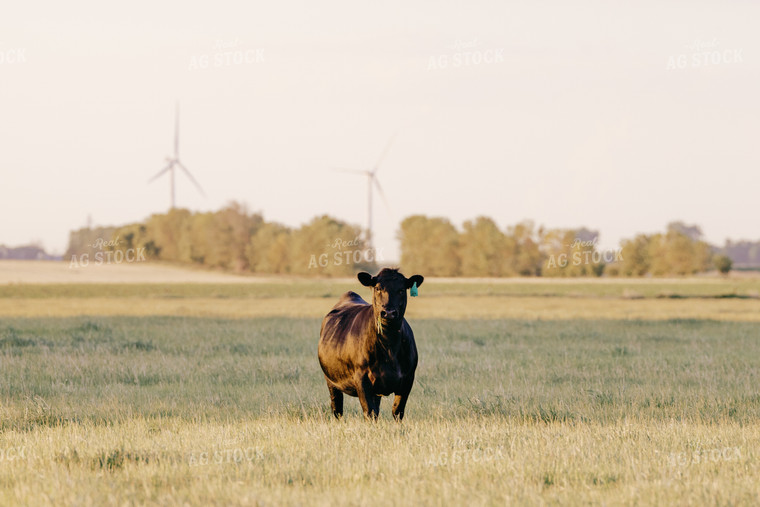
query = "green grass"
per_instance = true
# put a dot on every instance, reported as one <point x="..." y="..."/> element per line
<point x="108" y="369"/>
<point x="164" y="409"/>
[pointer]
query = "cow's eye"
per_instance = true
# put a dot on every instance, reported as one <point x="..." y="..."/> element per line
<point x="400" y="292"/>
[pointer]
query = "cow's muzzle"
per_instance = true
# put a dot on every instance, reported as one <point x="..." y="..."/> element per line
<point x="389" y="315"/>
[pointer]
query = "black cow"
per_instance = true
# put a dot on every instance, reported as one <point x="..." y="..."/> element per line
<point x="367" y="350"/>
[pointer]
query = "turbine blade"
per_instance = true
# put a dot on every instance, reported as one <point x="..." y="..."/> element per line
<point x="344" y="170"/>
<point x="160" y="173"/>
<point x="197" y="185"/>
<point x="382" y="195"/>
<point x="384" y="153"/>
<point x="176" y="131"/>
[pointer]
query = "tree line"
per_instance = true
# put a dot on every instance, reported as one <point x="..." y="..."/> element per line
<point x="231" y="239"/>
<point x="234" y="239"/>
<point x="482" y="249"/>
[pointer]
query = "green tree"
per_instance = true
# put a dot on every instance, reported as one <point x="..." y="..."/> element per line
<point x="571" y="253"/>
<point x="229" y="236"/>
<point x="527" y="257"/>
<point x="269" y="250"/>
<point x="429" y="246"/>
<point x="679" y="253"/>
<point x="195" y="245"/>
<point x="136" y="237"/>
<point x="166" y="231"/>
<point x="723" y="263"/>
<point x="635" y="252"/>
<point x="676" y="254"/>
<point x="484" y="250"/>
<point x="693" y="232"/>
<point x="329" y="247"/>
<point x="555" y="246"/>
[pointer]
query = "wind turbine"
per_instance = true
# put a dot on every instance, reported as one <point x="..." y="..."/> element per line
<point x="173" y="162"/>
<point x="372" y="183"/>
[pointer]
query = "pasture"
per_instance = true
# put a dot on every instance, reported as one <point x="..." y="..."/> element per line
<point x="572" y="392"/>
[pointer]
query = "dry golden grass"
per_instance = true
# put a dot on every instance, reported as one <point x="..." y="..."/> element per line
<point x="110" y="398"/>
<point x="281" y="461"/>
<point x="446" y="307"/>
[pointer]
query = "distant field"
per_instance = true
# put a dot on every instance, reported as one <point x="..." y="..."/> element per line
<point x="33" y="272"/>
<point x="575" y="392"/>
<point x="578" y="299"/>
<point x="31" y="279"/>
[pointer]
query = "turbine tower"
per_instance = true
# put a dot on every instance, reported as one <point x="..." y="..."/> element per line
<point x="372" y="183"/>
<point x="173" y="162"/>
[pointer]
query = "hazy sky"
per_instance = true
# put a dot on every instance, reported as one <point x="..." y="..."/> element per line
<point x="618" y="117"/>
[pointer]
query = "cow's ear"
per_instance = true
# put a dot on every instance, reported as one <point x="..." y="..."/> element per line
<point x="418" y="279"/>
<point x="366" y="279"/>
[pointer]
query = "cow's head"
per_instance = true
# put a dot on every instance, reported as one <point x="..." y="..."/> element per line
<point x="389" y="296"/>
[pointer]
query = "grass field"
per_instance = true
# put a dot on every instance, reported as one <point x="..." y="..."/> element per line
<point x="527" y="393"/>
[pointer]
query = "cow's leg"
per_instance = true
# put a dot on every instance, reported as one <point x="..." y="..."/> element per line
<point x="336" y="400"/>
<point x="399" y="404"/>
<point x="367" y="399"/>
